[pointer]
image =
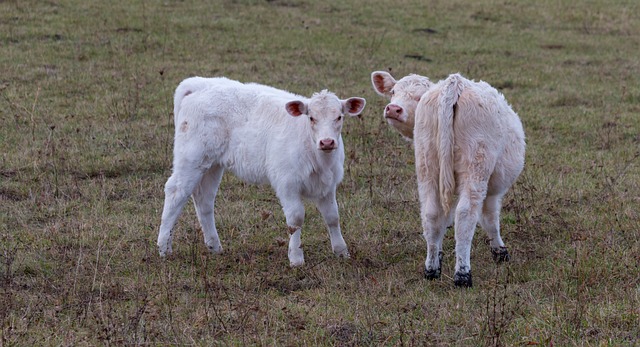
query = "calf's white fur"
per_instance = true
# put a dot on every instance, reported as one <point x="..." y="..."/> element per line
<point x="468" y="143"/>
<point x="264" y="136"/>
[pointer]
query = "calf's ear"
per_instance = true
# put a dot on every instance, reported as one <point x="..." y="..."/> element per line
<point x="353" y="106"/>
<point x="382" y="82"/>
<point x="296" y="108"/>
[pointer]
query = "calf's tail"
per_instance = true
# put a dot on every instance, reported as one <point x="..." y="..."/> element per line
<point x="186" y="87"/>
<point x="453" y="87"/>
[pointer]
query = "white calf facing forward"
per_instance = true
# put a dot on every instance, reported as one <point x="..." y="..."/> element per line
<point x="264" y="136"/>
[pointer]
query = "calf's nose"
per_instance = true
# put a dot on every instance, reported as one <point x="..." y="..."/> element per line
<point x="327" y="144"/>
<point x="393" y="111"/>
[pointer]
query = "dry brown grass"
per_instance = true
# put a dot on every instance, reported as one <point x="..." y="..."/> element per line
<point x="86" y="140"/>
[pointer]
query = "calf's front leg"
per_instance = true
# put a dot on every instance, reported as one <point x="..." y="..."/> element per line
<point x="490" y="222"/>
<point x="328" y="207"/>
<point x="293" y="208"/>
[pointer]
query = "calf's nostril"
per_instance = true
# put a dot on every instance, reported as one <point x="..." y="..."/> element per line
<point x="326" y="143"/>
<point x="394" y="110"/>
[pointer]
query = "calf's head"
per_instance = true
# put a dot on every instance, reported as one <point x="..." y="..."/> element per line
<point x="404" y="95"/>
<point x="325" y="113"/>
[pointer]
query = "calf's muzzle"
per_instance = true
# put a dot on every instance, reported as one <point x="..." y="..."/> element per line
<point x="393" y="111"/>
<point x="327" y="144"/>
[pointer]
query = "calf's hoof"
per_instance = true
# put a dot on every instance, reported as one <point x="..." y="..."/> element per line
<point x="432" y="274"/>
<point x="164" y="251"/>
<point x="342" y="253"/>
<point x="214" y="249"/>
<point x="500" y="254"/>
<point x="296" y="263"/>
<point x="463" y="280"/>
<point x="296" y="257"/>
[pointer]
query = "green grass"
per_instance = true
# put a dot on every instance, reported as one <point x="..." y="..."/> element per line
<point x="86" y="143"/>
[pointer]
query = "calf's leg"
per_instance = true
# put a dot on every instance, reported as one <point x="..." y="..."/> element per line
<point x="434" y="223"/>
<point x="434" y="220"/>
<point x="177" y="190"/>
<point x="293" y="208"/>
<point x="490" y="222"/>
<point x="204" y="197"/>
<point x="434" y="227"/>
<point x="467" y="213"/>
<point x="328" y="207"/>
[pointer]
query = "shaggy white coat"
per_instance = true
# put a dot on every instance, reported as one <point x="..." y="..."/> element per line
<point x="264" y="136"/>
<point x="468" y="143"/>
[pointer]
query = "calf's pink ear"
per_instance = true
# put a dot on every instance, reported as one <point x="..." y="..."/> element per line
<point x="296" y="108"/>
<point x="382" y="82"/>
<point x="353" y="106"/>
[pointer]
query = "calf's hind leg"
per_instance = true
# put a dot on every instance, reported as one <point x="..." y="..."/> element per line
<point x="467" y="213"/>
<point x="176" y="193"/>
<point x="434" y="227"/>
<point x="204" y="197"/>
<point x="434" y="221"/>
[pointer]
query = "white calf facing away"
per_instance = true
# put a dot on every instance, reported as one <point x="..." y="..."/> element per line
<point x="264" y="136"/>
<point x="469" y="144"/>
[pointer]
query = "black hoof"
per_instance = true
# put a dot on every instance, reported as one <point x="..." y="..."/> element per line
<point x="500" y="254"/>
<point x="432" y="274"/>
<point x="462" y="279"/>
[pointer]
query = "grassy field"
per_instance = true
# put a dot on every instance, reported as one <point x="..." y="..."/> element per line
<point x="86" y="144"/>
